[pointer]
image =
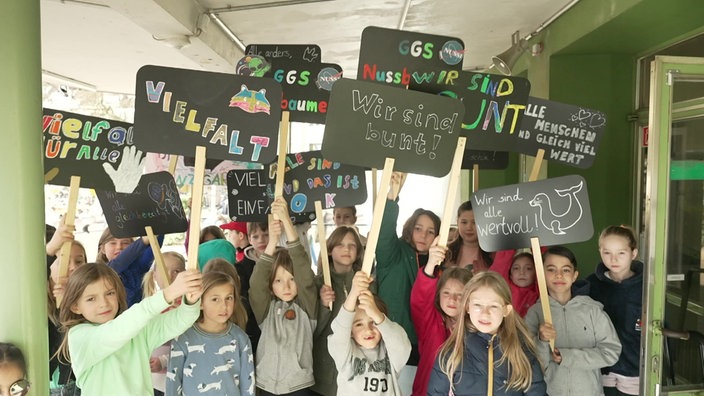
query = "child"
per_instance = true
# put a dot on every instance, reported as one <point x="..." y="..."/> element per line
<point x="152" y="282"/>
<point x="215" y="353"/>
<point x="465" y="251"/>
<point x="108" y="344"/>
<point x="236" y="233"/>
<point x="618" y="284"/>
<point x="369" y="361"/>
<point x="585" y="339"/>
<point x="283" y="299"/>
<point x="434" y="318"/>
<point x="345" y="256"/>
<point x="64" y="380"/>
<point x="490" y="350"/>
<point x="13" y="371"/>
<point x="398" y="261"/>
<point x="258" y="236"/>
<point x="519" y="272"/>
<point x="130" y="259"/>
<point x="209" y="233"/>
<point x="347" y="216"/>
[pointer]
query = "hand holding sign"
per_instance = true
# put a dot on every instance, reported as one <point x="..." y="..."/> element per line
<point x="126" y="176"/>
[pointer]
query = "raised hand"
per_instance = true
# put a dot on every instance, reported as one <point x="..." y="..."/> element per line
<point x="436" y="255"/>
<point x="360" y="282"/>
<point x="188" y="283"/>
<point x="64" y="233"/>
<point x="127" y="175"/>
<point x="327" y="295"/>
<point x="367" y="303"/>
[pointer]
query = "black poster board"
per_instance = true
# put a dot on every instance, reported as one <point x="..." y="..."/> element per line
<point x="397" y="57"/>
<point x="494" y="160"/>
<point x="306" y="88"/>
<point x="569" y="134"/>
<point x="493" y="105"/>
<point x="235" y="117"/>
<point x="85" y="146"/>
<point x="249" y="196"/>
<point x="275" y="53"/>
<point x="369" y="122"/>
<point x="155" y="202"/>
<point x="555" y="210"/>
<point x="310" y="177"/>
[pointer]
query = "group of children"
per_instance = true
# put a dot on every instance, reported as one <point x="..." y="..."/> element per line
<point x="429" y="320"/>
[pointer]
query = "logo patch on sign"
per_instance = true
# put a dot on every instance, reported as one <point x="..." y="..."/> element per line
<point x="251" y="101"/>
<point x="638" y="324"/>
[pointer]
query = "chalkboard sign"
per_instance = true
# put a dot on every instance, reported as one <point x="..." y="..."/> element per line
<point x="275" y="53"/>
<point x="369" y="122"/>
<point x="155" y="202"/>
<point x="397" y="57"/>
<point x="249" y="196"/>
<point x="90" y="147"/>
<point x="493" y="106"/>
<point x="309" y="177"/>
<point x="494" y="160"/>
<point x="569" y="134"/>
<point x="306" y="88"/>
<point x="555" y="210"/>
<point x="232" y="116"/>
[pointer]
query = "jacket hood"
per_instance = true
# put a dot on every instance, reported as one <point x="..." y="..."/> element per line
<point x="636" y="267"/>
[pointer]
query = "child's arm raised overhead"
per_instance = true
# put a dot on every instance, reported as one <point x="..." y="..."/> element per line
<point x="423" y="312"/>
<point x="340" y="341"/>
<point x="398" y="346"/>
<point x="259" y="292"/>
<point x="89" y="343"/>
<point x="305" y="278"/>
<point x="388" y="248"/>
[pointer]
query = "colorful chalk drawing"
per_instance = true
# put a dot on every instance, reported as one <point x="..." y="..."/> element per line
<point x="452" y="52"/>
<point x="251" y="101"/>
<point x="252" y="65"/>
<point x="559" y="222"/>
<point x="588" y="118"/>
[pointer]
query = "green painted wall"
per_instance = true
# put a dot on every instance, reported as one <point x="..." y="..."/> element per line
<point x="589" y="58"/>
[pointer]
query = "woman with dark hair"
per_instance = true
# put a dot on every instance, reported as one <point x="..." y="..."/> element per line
<point x="398" y="261"/>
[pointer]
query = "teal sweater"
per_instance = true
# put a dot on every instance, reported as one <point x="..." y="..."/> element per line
<point x="113" y="358"/>
<point x="396" y="270"/>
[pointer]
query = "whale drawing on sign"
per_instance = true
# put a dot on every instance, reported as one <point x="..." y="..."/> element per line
<point x="559" y="222"/>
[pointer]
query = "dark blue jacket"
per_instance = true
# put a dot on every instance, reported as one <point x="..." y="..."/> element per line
<point x="473" y="372"/>
<point x="623" y="302"/>
<point x="131" y="264"/>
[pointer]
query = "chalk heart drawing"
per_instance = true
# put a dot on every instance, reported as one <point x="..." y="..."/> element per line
<point x="597" y="120"/>
<point x="581" y="117"/>
<point x="559" y="222"/>
<point x="157" y="192"/>
<point x="234" y="192"/>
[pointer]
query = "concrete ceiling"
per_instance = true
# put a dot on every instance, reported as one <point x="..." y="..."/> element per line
<point x="100" y="44"/>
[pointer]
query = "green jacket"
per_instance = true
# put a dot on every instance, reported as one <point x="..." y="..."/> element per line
<point x="396" y="271"/>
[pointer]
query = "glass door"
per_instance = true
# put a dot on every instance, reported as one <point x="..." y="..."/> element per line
<point x="674" y="218"/>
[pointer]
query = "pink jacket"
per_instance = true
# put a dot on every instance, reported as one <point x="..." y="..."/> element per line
<point x="522" y="298"/>
<point x="429" y="326"/>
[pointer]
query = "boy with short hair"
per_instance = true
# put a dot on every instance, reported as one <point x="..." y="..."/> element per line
<point x="237" y="235"/>
<point x="368" y="362"/>
<point x="347" y="215"/>
<point x="585" y="338"/>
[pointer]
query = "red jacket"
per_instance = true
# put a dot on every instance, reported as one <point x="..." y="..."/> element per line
<point x="429" y="326"/>
<point x="522" y="298"/>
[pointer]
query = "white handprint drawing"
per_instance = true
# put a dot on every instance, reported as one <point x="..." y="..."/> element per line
<point x="127" y="175"/>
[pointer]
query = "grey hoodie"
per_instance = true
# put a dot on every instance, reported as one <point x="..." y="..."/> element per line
<point x="586" y="340"/>
<point x="285" y="353"/>
<point x="368" y="371"/>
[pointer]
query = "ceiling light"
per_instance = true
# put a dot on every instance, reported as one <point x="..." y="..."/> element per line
<point x="504" y="61"/>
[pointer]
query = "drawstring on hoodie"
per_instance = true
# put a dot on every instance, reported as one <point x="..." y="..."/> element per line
<point x="490" y="385"/>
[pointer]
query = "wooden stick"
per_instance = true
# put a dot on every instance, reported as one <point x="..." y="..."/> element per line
<point x="281" y="163"/>
<point x="69" y="220"/>
<point x="542" y="285"/>
<point x="158" y="257"/>
<point x="173" y="160"/>
<point x="451" y="192"/>
<point x="475" y="177"/>
<point x="373" y="237"/>
<point x="196" y="206"/>
<point x="536" y="165"/>
<point x="374" y="186"/>
<point x="323" y="246"/>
